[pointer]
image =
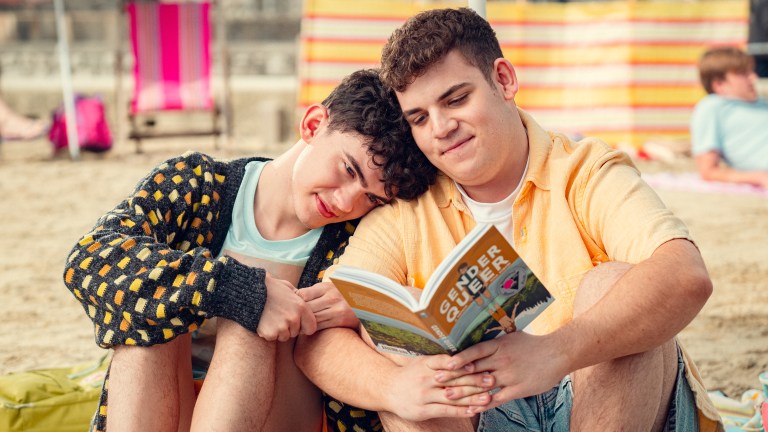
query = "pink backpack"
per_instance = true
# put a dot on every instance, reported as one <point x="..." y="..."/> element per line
<point x="92" y="128"/>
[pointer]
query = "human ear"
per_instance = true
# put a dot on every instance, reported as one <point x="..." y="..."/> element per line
<point x="717" y="85"/>
<point x="314" y="117"/>
<point x="505" y="78"/>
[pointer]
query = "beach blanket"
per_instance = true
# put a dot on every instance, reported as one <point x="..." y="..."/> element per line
<point x="740" y="415"/>
<point x="692" y="182"/>
<point x="749" y="413"/>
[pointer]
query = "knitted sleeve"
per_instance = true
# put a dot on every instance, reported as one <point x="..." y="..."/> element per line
<point x="146" y="272"/>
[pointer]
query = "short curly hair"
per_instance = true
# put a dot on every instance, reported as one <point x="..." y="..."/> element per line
<point x="362" y="104"/>
<point x="429" y="36"/>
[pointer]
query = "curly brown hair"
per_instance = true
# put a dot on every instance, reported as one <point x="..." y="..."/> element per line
<point x="715" y="63"/>
<point x="362" y="104"/>
<point x="429" y="36"/>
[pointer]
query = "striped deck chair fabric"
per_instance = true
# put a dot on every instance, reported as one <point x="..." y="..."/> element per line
<point x="172" y="61"/>
<point x="624" y="72"/>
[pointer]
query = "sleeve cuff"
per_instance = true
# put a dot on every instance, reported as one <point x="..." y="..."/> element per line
<point x="240" y="295"/>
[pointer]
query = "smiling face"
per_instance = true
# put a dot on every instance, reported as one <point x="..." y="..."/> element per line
<point x="467" y="127"/>
<point x="334" y="179"/>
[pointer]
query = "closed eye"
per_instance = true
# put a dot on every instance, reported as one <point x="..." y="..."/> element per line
<point x="416" y="120"/>
<point x="458" y="100"/>
<point x="375" y="201"/>
<point x="353" y="169"/>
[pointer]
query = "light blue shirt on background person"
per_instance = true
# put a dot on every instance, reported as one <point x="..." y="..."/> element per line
<point x="736" y="129"/>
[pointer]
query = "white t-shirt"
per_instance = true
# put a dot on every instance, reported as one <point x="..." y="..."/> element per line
<point x="498" y="213"/>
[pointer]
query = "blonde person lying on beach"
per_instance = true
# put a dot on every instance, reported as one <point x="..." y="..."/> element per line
<point x="201" y="238"/>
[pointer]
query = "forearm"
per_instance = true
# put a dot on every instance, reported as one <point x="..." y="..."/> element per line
<point x="726" y="174"/>
<point x="712" y="168"/>
<point x="646" y="307"/>
<point x="135" y="307"/>
<point x="340" y="363"/>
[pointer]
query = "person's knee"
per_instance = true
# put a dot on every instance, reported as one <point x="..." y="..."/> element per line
<point x="155" y="356"/>
<point x="136" y="372"/>
<point x="596" y="283"/>
<point x="230" y="331"/>
<point x="235" y="342"/>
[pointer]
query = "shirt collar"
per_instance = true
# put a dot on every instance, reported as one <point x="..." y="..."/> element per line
<point x="539" y="149"/>
<point x="446" y="192"/>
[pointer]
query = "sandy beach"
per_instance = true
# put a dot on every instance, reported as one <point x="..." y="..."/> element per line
<point x="49" y="202"/>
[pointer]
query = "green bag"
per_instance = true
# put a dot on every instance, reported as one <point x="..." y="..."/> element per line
<point x="51" y="400"/>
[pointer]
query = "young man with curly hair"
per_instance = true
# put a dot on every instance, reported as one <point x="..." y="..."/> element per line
<point x="624" y="272"/>
<point x="203" y="239"/>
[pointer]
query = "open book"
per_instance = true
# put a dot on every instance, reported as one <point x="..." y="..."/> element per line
<point x="481" y="290"/>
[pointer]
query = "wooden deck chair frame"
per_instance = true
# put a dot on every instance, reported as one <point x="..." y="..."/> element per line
<point x="143" y="109"/>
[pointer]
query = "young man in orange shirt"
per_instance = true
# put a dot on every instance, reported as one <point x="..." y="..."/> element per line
<point x="624" y="272"/>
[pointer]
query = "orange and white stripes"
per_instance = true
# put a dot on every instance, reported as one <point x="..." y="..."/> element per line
<point x="622" y="71"/>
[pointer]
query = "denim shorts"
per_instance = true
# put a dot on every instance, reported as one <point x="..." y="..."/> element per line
<point x="551" y="411"/>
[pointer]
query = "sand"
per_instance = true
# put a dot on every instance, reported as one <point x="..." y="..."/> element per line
<point x="48" y="203"/>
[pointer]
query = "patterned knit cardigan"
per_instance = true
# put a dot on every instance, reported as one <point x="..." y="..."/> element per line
<point x="148" y="271"/>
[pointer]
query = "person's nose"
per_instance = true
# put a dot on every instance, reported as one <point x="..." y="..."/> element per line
<point x="442" y="125"/>
<point x="348" y="195"/>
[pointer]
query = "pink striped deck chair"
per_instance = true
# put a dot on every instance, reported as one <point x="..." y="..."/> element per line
<point x="171" y="45"/>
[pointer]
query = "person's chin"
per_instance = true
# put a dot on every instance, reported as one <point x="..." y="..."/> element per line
<point x="312" y="222"/>
<point x="308" y="219"/>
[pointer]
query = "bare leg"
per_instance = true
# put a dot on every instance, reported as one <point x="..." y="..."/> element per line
<point x="16" y="126"/>
<point x="240" y="384"/>
<point x="144" y="387"/>
<point x="631" y="393"/>
<point x="393" y="423"/>
<point x="186" y="384"/>
<point x="254" y="384"/>
<point x="293" y="389"/>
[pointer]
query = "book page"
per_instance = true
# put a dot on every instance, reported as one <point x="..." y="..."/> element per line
<point x="376" y="282"/>
<point x="373" y="302"/>
<point x="397" y="337"/>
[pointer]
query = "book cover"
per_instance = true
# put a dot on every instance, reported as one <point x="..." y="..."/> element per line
<point x="480" y="291"/>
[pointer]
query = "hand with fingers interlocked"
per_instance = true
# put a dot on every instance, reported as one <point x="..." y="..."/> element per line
<point x="519" y="363"/>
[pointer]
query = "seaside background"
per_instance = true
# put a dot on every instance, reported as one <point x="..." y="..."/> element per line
<point x="48" y="203"/>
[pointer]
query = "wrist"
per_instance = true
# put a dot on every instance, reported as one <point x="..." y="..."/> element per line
<point x="389" y="397"/>
<point x="384" y="382"/>
<point x="565" y="351"/>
